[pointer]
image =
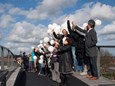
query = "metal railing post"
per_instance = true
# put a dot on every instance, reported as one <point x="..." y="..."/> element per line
<point x="8" y="64"/>
<point x="98" y="61"/>
<point x="2" y="56"/>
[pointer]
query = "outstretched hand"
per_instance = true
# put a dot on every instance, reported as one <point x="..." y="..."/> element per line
<point x="67" y="17"/>
<point x="73" y="26"/>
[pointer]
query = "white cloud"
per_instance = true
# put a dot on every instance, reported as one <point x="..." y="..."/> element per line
<point x="79" y="16"/>
<point x="25" y="34"/>
<point x="91" y="11"/>
<point x="49" y="9"/>
<point x="110" y="37"/>
<point x="6" y="20"/>
<point x="17" y="11"/>
<point x="4" y="7"/>
<point x="103" y="11"/>
<point x="108" y="29"/>
<point x="0" y="35"/>
<point x="17" y="47"/>
<point x="1" y="10"/>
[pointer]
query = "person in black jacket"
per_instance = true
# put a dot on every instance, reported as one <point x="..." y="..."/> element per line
<point x="79" y="48"/>
<point x="65" y="61"/>
<point x="25" y="61"/>
<point x="90" y="48"/>
<point x="61" y="37"/>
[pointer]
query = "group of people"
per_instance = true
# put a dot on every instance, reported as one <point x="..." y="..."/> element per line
<point x="73" y="50"/>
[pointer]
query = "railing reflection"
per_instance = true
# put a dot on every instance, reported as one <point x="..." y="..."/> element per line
<point x="106" y="61"/>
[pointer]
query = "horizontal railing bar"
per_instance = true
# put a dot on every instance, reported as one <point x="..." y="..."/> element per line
<point x="106" y="46"/>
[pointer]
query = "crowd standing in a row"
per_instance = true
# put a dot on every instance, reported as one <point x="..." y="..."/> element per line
<point x="72" y="50"/>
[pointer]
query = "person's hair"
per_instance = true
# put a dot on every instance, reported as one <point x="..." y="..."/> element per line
<point x="69" y="40"/>
<point x="91" y="22"/>
<point x="24" y="52"/>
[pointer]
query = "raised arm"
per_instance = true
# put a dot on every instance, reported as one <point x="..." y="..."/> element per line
<point x="56" y="36"/>
<point x="80" y="31"/>
<point x="69" y="27"/>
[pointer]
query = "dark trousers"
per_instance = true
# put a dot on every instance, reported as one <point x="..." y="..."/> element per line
<point x="92" y="70"/>
<point x="64" y="79"/>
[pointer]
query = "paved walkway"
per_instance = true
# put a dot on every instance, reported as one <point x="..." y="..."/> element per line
<point x="32" y="79"/>
<point x="23" y="78"/>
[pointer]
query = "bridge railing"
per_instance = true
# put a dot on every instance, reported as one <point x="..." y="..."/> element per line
<point x="106" y="61"/>
<point x="7" y="64"/>
<point x="7" y="59"/>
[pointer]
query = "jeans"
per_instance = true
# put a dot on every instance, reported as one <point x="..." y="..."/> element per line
<point x="79" y="65"/>
<point x="74" y="58"/>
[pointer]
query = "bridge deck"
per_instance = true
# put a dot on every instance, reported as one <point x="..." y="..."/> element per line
<point x="32" y="79"/>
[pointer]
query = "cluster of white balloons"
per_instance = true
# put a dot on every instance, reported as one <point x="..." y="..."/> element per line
<point x="54" y="27"/>
<point x="58" y="30"/>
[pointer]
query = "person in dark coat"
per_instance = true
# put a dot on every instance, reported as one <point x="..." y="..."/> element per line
<point x="25" y="61"/>
<point x="90" y="48"/>
<point x="60" y="37"/>
<point x="65" y="60"/>
<point x="79" y="47"/>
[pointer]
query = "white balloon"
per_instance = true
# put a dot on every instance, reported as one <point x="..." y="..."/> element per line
<point x="52" y="42"/>
<point x="98" y="22"/>
<point x="41" y="56"/>
<point x="35" y="57"/>
<point x="54" y="24"/>
<point x="49" y="31"/>
<point x="33" y="47"/>
<point x="84" y="25"/>
<point x="57" y="29"/>
<point x="38" y="46"/>
<point x="41" y="41"/>
<point x="50" y="26"/>
<point x="40" y="61"/>
<point x="51" y="49"/>
<point x="40" y="50"/>
<point x="44" y="44"/>
<point x="46" y="39"/>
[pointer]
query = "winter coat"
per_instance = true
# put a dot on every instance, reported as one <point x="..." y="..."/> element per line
<point x="65" y="59"/>
<point x="60" y="37"/>
<point x="90" y="41"/>
<point x="78" y="42"/>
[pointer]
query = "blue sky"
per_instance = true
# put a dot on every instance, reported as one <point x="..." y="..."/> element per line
<point x="23" y="23"/>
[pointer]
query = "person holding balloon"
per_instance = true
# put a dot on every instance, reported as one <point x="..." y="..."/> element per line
<point x="65" y="61"/>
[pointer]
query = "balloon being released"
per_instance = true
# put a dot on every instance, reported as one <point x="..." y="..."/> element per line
<point x="51" y="49"/>
<point x="98" y="22"/>
<point x="46" y="39"/>
<point x="52" y="42"/>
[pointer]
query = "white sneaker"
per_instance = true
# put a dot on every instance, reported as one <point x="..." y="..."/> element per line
<point x="83" y="73"/>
